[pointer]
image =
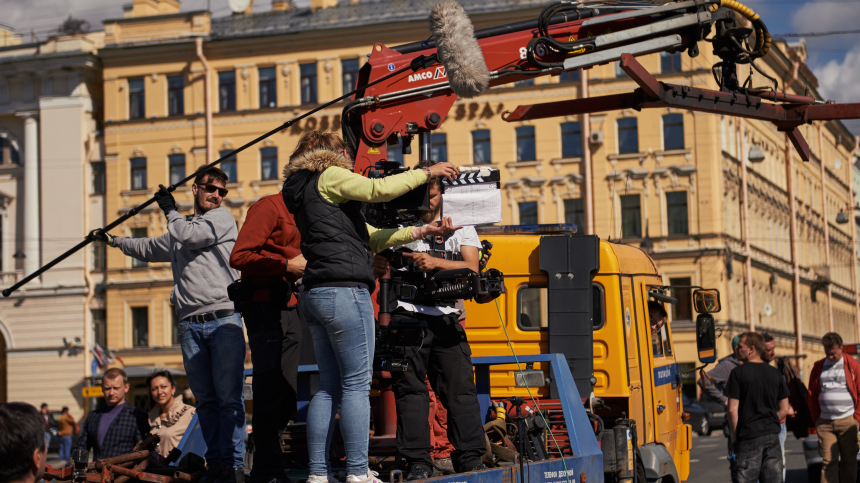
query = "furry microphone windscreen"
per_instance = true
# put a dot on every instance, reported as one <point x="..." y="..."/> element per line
<point x="458" y="50"/>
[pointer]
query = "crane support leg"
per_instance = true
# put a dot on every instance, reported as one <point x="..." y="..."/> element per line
<point x="787" y="115"/>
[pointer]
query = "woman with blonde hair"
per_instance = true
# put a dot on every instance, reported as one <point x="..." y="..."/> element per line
<point x="325" y="195"/>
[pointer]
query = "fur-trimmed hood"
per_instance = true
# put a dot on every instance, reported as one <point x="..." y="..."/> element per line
<point x="316" y="161"/>
<point x="303" y="168"/>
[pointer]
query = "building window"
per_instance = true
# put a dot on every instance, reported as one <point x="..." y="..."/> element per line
<point x="628" y="135"/>
<point x="439" y="147"/>
<point x="631" y="216"/>
<point x="99" y="317"/>
<point x="528" y="213"/>
<point x="676" y="212"/>
<point x="526" y="143"/>
<point x="136" y="99"/>
<point x="140" y="326"/>
<point x="481" y="147"/>
<point x="99" y="256"/>
<point x="349" y="67"/>
<point x="308" y="74"/>
<point x="177" y="167"/>
<point x="619" y="72"/>
<point x="571" y="140"/>
<point x="138" y="233"/>
<point x="98" y="178"/>
<point x="569" y="76"/>
<point x="525" y="82"/>
<point x="673" y="131"/>
<point x="269" y="163"/>
<point x="174" y="326"/>
<point x="228" y="165"/>
<point x="175" y="95"/>
<point x="670" y="62"/>
<point x="574" y="213"/>
<point x="8" y="153"/>
<point x="683" y="310"/>
<point x="268" y="92"/>
<point x="138" y="173"/>
<point x="227" y="91"/>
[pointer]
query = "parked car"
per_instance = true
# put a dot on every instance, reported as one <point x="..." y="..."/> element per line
<point x="716" y="413"/>
<point x="698" y="417"/>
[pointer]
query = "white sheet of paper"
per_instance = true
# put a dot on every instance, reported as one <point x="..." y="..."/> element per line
<point x="474" y="204"/>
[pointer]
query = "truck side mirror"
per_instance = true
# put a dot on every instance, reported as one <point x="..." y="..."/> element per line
<point x="706" y="339"/>
<point x="707" y="301"/>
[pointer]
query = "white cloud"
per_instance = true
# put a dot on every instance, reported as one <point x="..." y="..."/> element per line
<point x="837" y="80"/>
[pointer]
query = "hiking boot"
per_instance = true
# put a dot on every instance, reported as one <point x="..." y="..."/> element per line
<point x="214" y="470"/>
<point x="418" y="472"/>
<point x="444" y="465"/>
<point x="231" y="474"/>
<point x="273" y="476"/>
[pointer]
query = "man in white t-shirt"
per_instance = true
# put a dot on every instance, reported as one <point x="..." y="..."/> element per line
<point x="443" y="357"/>
<point x="834" y="387"/>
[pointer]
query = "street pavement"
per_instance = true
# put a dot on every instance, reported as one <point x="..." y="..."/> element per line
<point x="708" y="460"/>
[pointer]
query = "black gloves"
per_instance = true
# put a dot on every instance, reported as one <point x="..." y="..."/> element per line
<point x="102" y="237"/>
<point x="165" y="200"/>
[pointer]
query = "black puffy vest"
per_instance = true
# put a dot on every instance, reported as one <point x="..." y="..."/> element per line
<point x="334" y="236"/>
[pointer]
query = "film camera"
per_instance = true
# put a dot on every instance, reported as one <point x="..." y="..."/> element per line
<point x="401" y="211"/>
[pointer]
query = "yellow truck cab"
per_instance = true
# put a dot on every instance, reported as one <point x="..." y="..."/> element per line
<point x="588" y="299"/>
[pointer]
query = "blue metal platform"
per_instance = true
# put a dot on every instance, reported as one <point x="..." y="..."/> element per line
<point x="585" y="464"/>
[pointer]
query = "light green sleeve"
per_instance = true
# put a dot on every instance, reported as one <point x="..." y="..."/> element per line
<point x="380" y="239"/>
<point x="340" y="185"/>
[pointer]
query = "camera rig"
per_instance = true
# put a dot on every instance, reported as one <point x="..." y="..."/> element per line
<point x="399" y="340"/>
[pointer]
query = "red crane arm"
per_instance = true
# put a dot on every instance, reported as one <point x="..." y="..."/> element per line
<point x="418" y="101"/>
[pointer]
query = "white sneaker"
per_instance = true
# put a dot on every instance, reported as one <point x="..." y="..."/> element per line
<point x="369" y="477"/>
<point x="322" y="479"/>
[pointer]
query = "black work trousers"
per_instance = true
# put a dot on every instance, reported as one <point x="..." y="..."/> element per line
<point x="275" y="338"/>
<point x="445" y="357"/>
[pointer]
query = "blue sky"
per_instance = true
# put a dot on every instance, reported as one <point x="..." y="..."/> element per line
<point x="834" y="59"/>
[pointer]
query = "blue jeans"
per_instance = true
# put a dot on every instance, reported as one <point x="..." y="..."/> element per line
<point x="65" y="451"/>
<point x="214" y="357"/>
<point x="342" y="325"/>
<point x="759" y="460"/>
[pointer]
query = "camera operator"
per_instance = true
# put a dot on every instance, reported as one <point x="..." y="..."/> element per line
<point x="324" y="194"/>
<point x="443" y="357"/>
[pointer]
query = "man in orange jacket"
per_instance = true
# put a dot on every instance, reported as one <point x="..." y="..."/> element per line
<point x="834" y="385"/>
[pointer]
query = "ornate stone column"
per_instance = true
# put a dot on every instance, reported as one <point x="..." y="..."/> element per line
<point x="32" y="213"/>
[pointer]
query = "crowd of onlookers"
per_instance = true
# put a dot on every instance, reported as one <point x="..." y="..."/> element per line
<point x="761" y="400"/>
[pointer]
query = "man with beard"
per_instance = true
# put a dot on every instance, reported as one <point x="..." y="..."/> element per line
<point x="210" y="332"/>
<point x="443" y="357"/>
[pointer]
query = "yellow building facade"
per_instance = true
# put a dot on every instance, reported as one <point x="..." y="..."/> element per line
<point x="670" y="177"/>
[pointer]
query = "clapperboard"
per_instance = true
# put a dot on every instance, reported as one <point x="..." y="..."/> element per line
<point x="473" y="198"/>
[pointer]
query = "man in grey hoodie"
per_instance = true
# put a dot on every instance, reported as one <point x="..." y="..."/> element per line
<point x="213" y="345"/>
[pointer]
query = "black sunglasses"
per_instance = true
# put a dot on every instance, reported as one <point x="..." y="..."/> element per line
<point x="211" y="188"/>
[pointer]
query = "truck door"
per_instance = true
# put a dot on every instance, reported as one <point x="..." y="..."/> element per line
<point x="638" y="367"/>
<point x="664" y="372"/>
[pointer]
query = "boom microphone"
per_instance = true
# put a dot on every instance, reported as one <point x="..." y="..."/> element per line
<point x="458" y="49"/>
